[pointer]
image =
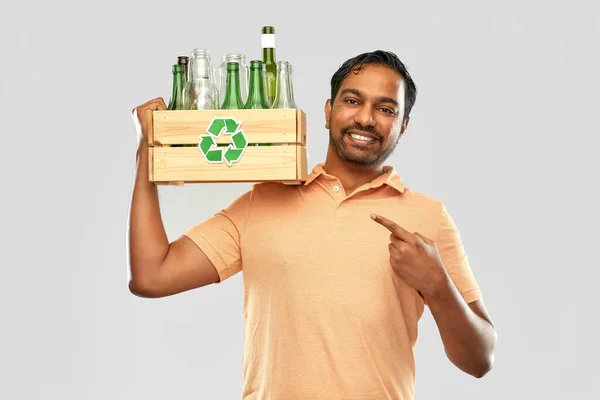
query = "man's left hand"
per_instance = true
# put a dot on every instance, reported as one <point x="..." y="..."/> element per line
<point x="414" y="258"/>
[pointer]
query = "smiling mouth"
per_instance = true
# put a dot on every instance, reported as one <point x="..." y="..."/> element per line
<point x="358" y="138"/>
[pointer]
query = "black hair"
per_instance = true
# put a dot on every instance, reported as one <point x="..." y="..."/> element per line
<point x="377" y="57"/>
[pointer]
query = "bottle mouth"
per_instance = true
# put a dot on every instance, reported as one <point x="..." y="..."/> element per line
<point x="234" y="56"/>
<point x="233" y="66"/>
<point x="256" y="64"/>
<point x="284" y="65"/>
<point x="200" y="52"/>
<point x="268" y="29"/>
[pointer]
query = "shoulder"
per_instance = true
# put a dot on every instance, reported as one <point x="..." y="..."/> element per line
<point x="425" y="202"/>
<point x="270" y="189"/>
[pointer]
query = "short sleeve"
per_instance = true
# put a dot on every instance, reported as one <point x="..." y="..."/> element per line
<point x="219" y="237"/>
<point x="454" y="257"/>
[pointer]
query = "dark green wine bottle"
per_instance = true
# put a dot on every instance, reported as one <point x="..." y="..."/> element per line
<point x="176" y="102"/>
<point x="268" y="58"/>
<point x="233" y="98"/>
<point x="185" y="61"/>
<point x="257" y="98"/>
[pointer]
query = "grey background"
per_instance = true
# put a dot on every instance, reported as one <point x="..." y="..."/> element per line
<point x="504" y="131"/>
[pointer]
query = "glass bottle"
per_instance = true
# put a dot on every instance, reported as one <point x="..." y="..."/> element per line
<point x="284" y="97"/>
<point x="268" y="59"/>
<point x="233" y="98"/>
<point x="176" y="102"/>
<point x="244" y="75"/>
<point x="185" y="61"/>
<point x="257" y="98"/>
<point x="200" y="90"/>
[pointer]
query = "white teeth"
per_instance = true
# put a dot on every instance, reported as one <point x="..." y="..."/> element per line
<point x="359" y="137"/>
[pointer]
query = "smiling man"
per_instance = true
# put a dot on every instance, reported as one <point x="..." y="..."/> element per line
<point x="336" y="271"/>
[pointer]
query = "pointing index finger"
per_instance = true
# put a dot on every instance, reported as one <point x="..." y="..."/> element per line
<point x="393" y="227"/>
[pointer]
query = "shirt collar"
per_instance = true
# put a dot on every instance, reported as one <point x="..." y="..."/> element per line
<point x="389" y="177"/>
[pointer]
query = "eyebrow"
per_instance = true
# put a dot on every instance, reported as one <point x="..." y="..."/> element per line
<point x="381" y="99"/>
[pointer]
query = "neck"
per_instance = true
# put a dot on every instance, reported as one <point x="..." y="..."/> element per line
<point x="350" y="175"/>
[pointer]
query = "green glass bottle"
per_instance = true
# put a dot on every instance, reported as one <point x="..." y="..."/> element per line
<point x="233" y="97"/>
<point x="268" y="59"/>
<point x="176" y="102"/>
<point x="257" y="98"/>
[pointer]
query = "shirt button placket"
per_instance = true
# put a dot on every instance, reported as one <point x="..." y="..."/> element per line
<point x="342" y="204"/>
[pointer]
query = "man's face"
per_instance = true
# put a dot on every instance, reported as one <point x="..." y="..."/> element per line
<point x="365" y="118"/>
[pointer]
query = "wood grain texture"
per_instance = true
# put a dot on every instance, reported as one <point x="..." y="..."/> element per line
<point x="150" y="164"/>
<point x="258" y="164"/>
<point x="284" y="160"/>
<point x="259" y="126"/>
<point x="301" y="127"/>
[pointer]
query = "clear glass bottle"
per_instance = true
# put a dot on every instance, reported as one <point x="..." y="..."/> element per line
<point x="284" y="95"/>
<point x="200" y="90"/>
<point x="244" y="75"/>
<point x="233" y="98"/>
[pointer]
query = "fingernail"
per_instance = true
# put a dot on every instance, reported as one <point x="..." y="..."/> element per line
<point x="373" y="216"/>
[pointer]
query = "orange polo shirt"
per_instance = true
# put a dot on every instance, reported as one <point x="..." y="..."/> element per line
<point x="325" y="317"/>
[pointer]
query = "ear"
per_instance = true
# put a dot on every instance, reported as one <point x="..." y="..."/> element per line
<point x="327" y="113"/>
<point x="404" y="126"/>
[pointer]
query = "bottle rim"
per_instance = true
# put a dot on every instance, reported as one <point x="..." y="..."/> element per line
<point x="284" y="65"/>
<point x="234" y="56"/>
<point x="195" y="53"/>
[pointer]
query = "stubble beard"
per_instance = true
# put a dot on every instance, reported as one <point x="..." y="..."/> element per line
<point x="364" y="160"/>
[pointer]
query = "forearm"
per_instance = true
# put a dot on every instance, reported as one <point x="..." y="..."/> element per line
<point x="469" y="340"/>
<point x="148" y="242"/>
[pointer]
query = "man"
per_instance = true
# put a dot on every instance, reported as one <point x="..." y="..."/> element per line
<point x="336" y="271"/>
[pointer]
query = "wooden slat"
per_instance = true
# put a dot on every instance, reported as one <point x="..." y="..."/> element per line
<point x="150" y="163"/>
<point x="258" y="163"/>
<point x="301" y="127"/>
<point x="303" y="163"/>
<point x="259" y="126"/>
<point x="150" y="119"/>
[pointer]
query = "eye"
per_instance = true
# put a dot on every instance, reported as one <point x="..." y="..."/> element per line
<point x="350" y="101"/>
<point x="387" y="110"/>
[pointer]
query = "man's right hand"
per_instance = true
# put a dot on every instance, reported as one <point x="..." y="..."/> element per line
<point x="159" y="268"/>
<point x="142" y="117"/>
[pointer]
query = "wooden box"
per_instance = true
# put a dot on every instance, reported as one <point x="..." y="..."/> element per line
<point x="194" y="146"/>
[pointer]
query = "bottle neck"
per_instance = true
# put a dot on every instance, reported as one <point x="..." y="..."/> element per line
<point x="282" y="80"/>
<point x="268" y="55"/>
<point x="177" y="93"/>
<point x="284" y="96"/>
<point x="257" y="96"/>
<point x="200" y="68"/>
<point x="233" y="98"/>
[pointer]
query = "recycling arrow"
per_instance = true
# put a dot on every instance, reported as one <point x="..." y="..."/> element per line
<point x="233" y="152"/>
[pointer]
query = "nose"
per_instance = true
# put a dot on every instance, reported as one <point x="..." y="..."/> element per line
<point x="364" y="116"/>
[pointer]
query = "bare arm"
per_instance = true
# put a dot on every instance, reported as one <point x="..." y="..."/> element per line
<point x="467" y="331"/>
<point x="159" y="268"/>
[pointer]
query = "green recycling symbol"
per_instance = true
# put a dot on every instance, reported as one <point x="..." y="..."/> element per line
<point x="230" y="154"/>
